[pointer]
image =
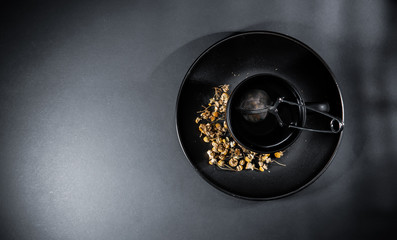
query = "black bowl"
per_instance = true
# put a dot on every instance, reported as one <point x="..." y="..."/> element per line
<point x="231" y="61"/>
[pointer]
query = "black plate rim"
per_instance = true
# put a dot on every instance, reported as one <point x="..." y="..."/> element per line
<point x="238" y="34"/>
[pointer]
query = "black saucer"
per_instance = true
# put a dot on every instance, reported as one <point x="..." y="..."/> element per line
<point x="232" y="60"/>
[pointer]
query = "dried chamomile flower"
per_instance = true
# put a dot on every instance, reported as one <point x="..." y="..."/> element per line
<point x="224" y="97"/>
<point x="212" y="161"/>
<point x="263" y="157"/>
<point x="278" y="154"/>
<point x="211" y="154"/>
<point x="206" y="114"/>
<point x="221" y="163"/>
<point x="217" y="92"/>
<point x="220" y="148"/>
<point x="233" y="162"/>
<point x="222" y="109"/>
<point x="225" y="87"/>
<point x="237" y="151"/>
<point x="264" y="166"/>
<point x="249" y="166"/>
<point x="248" y="158"/>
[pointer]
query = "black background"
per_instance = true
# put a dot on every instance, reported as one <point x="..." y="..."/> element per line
<point x="88" y="146"/>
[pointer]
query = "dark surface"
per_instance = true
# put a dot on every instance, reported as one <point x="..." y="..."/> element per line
<point x="257" y="60"/>
<point x="88" y="145"/>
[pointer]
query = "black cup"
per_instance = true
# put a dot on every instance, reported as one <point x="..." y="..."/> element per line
<point x="262" y="132"/>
